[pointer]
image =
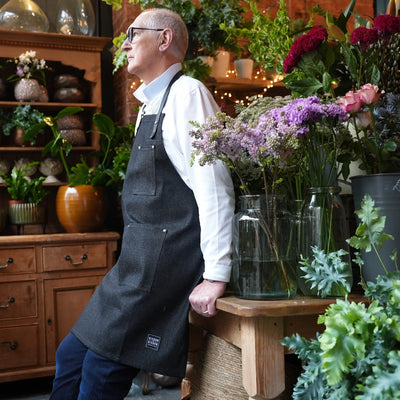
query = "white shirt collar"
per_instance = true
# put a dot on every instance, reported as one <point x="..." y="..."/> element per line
<point x="147" y="93"/>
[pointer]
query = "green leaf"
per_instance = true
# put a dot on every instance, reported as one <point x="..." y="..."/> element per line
<point x="328" y="273"/>
<point x="306" y="86"/>
<point x="351" y="60"/>
<point x="70" y="110"/>
<point x="384" y="383"/>
<point x="349" y="329"/>
<point x="369" y="232"/>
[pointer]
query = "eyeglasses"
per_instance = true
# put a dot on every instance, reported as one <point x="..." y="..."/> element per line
<point x="131" y="32"/>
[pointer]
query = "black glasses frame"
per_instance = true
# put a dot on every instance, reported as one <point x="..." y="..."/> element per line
<point x="129" y="34"/>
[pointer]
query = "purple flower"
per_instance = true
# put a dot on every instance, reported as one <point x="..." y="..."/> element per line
<point x="20" y="71"/>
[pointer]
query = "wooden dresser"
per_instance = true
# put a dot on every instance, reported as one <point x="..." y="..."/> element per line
<point x="45" y="282"/>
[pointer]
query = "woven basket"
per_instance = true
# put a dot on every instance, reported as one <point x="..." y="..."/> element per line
<point x="217" y="373"/>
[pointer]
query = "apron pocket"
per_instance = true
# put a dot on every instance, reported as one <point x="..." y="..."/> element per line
<point x="143" y="171"/>
<point x="140" y="254"/>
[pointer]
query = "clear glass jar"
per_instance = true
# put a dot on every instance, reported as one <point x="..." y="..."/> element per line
<point x="23" y="15"/>
<point x="324" y="225"/>
<point x="264" y="260"/>
<point x="75" y="17"/>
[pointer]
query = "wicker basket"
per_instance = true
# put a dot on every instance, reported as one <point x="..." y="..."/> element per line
<point x="217" y="373"/>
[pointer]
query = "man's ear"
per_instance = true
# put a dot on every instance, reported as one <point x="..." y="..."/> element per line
<point x="165" y="39"/>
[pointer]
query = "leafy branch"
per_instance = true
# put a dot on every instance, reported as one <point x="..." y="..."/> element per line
<point x="357" y="356"/>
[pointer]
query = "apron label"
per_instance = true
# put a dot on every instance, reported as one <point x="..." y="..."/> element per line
<point x="153" y="342"/>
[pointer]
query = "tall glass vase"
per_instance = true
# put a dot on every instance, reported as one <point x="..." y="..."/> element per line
<point x="75" y="17"/>
<point x="264" y="261"/>
<point x="323" y="225"/>
<point x="23" y="15"/>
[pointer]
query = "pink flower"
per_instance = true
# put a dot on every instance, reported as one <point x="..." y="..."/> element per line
<point x="363" y="119"/>
<point x="350" y="102"/>
<point x="369" y="94"/>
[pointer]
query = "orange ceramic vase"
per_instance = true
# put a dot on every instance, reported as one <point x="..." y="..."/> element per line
<point x="81" y="208"/>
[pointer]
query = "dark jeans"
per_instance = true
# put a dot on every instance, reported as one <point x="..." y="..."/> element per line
<point x="84" y="375"/>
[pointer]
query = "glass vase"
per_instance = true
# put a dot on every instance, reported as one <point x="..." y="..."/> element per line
<point x="264" y="260"/>
<point x="323" y="224"/>
<point x="75" y="17"/>
<point x="23" y="15"/>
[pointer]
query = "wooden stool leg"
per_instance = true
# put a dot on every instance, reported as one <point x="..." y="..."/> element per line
<point x="263" y="360"/>
<point x="195" y="341"/>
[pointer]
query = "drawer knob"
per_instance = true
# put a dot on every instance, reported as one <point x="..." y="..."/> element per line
<point x="9" y="261"/>
<point x="11" y="345"/>
<point x="83" y="258"/>
<point x="10" y="301"/>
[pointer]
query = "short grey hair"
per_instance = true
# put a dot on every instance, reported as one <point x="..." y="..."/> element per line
<point x="165" y="18"/>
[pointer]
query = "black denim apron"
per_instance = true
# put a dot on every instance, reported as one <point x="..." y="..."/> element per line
<point x="138" y="316"/>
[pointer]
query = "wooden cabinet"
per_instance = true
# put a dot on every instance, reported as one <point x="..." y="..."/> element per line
<point x="72" y="54"/>
<point x="45" y="282"/>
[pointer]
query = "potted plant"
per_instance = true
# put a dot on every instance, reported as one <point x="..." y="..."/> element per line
<point x="268" y="39"/>
<point x="81" y="205"/>
<point x="26" y="197"/>
<point x="19" y="121"/>
<point x="29" y="77"/>
<point x="357" y="355"/>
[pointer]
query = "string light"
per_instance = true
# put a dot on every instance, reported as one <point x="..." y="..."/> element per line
<point x="234" y="96"/>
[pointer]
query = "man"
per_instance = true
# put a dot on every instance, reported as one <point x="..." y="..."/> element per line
<point x="176" y="244"/>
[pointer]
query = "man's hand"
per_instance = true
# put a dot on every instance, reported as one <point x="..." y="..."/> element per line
<point x="204" y="295"/>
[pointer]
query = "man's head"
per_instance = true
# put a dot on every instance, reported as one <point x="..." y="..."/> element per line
<point x="156" y="39"/>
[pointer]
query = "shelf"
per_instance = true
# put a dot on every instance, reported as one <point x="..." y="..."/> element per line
<point x="44" y="184"/>
<point x="50" y="106"/>
<point x="40" y="149"/>
<point x="240" y="84"/>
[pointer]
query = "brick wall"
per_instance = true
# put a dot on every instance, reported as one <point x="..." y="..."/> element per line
<point x="124" y="83"/>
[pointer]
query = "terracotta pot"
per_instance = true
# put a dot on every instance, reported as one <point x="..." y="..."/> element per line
<point x="18" y="137"/>
<point x="81" y="208"/>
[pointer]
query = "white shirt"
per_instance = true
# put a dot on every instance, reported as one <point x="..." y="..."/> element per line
<point x="189" y="100"/>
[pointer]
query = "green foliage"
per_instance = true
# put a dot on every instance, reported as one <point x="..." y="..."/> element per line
<point x="21" y="188"/>
<point x="328" y="273"/>
<point x="203" y="22"/>
<point x="116" y="4"/>
<point x="269" y="38"/>
<point x="120" y="57"/>
<point x="119" y="166"/>
<point x="204" y="27"/>
<point x="196" y="68"/>
<point x="357" y="357"/>
<point x="24" y="117"/>
<point x="112" y="139"/>
<point x="369" y="233"/>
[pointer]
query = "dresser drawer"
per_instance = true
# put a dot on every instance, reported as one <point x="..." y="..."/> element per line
<point x="18" y="300"/>
<point x="75" y="257"/>
<point x="18" y="260"/>
<point x="18" y="347"/>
